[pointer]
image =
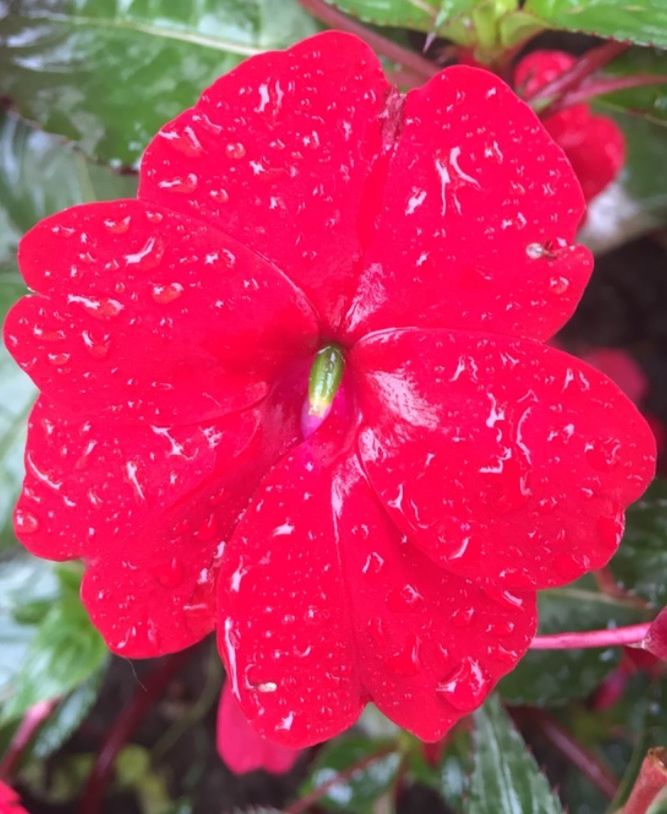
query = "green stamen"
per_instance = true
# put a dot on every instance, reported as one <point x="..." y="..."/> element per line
<point x="324" y="380"/>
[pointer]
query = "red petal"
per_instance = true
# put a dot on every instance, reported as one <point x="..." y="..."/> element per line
<point x="323" y="607"/>
<point x="150" y="313"/>
<point x="147" y="507"/>
<point x="595" y="146"/>
<point x="507" y="460"/>
<point x="479" y="211"/>
<point x="656" y="638"/>
<point x="277" y="153"/>
<point x="241" y="748"/>
<point x="621" y="368"/>
<point x="539" y="68"/>
<point x="9" y="801"/>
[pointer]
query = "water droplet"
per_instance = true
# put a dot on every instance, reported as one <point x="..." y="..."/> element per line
<point x="58" y="359"/>
<point x="171" y="575"/>
<point x="185" y="141"/>
<point x="164" y="294"/>
<point x="219" y="195"/>
<point x="405" y="662"/>
<point x="464" y="687"/>
<point x="63" y="231"/>
<point x="118" y="227"/>
<point x="182" y="184"/>
<point x="559" y="285"/>
<point x="148" y="257"/>
<point x="207" y="529"/>
<point x="25" y="522"/>
<point x="404" y="599"/>
<point x="105" y="308"/>
<point x="603" y="454"/>
<point x="235" y="150"/>
<point x="97" y="347"/>
<point x="609" y="531"/>
<point x="154" y="217"/>
<point x="373" y="564"/>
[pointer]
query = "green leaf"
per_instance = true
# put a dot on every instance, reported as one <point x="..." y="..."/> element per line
<point x="554" y="677"/>
<point x="65" y="651"/>
<point x="506" y="779"/>
<point x="649" y="101"/>
<point x="359" y="791"/>
<point x="420" y="15"/>
<point x="108" y="73"/>
<point x="640" y="21"/>
<point x="640" y="565"/>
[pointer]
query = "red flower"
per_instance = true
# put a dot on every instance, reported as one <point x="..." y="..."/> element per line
<point x="393" y="553"/>
<point x="595" y="145"/>
<point x="241" y="748"/>
<point x="9" y="801"/>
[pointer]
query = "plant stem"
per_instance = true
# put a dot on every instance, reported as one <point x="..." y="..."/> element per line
<point x="587" y="763"/>
<point x="609" y="637"/>
<point x="125" y="724"/>
<point x="651" y="781"/>
<point x="606" y="85"/>
<point x="321" y="10"/>
<point x="27" y="729"/>
<point x="303" y="804"/>
<point x="551" y="93"/>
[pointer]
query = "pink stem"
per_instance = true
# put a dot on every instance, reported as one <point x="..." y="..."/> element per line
<point x="27" y="729"/>
<point x="631" y="634"/>
<point x="607" y="85"/>
<point x="651" y="782"/>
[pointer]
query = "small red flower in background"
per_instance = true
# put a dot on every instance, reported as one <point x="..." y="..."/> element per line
<point x="422" y="244"/>
<point x="9" y="801"/>
<point x="241" y="748"/>
<point x="595" y="145"/>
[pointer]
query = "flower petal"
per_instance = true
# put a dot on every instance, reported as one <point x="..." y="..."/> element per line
<point x="147" y="507"/>
<point x="147" y="312"/>
<point x="323" y="607"/>
<point x="242" y="748"/>
<point x="481" y="207"/>
<point x="505" y="459"/>
<point x="277" y="153"/>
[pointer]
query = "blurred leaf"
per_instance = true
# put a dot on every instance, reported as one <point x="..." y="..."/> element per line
<point x="363" y="787"/>
<point x="65" y="651"/>
<point x="649" y="101"/>
<point x="640" y="565"/>
<point x="108" y="73"/>
<point x="61" y="781"/>
<point x="134" y="772"/>
<point x="506" y="779"/>
<point x="420" y="15"/>
<point x="554" y="677"/>
<point x="66" y="718"/>
<point x="640" y="21"/>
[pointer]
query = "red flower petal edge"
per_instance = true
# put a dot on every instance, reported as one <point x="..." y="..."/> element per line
<point x="9" y="801"/>
<point x="387" y="546"/>
<point x="595" y="145"/>
<point x="242" y="748"/>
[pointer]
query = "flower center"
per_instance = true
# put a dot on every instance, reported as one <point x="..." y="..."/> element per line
<point x="324" y="380"/>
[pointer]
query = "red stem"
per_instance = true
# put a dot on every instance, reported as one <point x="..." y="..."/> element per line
<point x="606" y="85"/>
<point x="125" y="724"/>
<point x="27" y="729"/>
<point x="315" y="795"/>
<point x="590" y="62"/>
<point x="329" y="15"/>
<point x="574" y="752"/>
<point x="651" y="781"/>
<point x="631" y="634"/>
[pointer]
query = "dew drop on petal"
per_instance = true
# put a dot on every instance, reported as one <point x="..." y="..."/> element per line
<point x="164" y="294"/>
<point x="219" y="195"/>
<point x="559" y="285"/>
<point x="405" y="661"/>
<point x="465" y="687"/>
<point x="171" y="574"/>
<point x="183" y="184"/>
<point x="235" y="150"/>
<point x="97" y="347"/>
<point x="58" y="359"/>
<point x="603" y="454"/>
<point x="118" y="227"/>
<point x="25" y="522"/>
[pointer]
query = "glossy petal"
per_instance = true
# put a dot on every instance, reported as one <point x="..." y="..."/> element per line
<point x="477" y="218"/>
<point x="278" y="153"/>
<point x="242" y="748"/>
<point x="147" y="312"/>
<point x="324" y="606"/>
<point x="506" y="460"/>
<point x="148" y="508"/>
<point x="595" y="145"/>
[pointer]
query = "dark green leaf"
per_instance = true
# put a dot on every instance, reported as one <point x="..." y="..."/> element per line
<point x="641" y="563"/>
<point x="549" y="678"/>
<point x="506" y="779"/>
<point x="66" y="718"/>
<point x="65" y="651"/>
<point x="359" y="791"/>
<point x="650" y="100"/>
<point x="108" y="73"/>
<point x="640" y="21"/>
<point x="420" y="15"/>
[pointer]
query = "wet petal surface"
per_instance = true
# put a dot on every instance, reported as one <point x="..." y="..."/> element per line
<point x="340" y="609"/>
<point x="504" y="458"/>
